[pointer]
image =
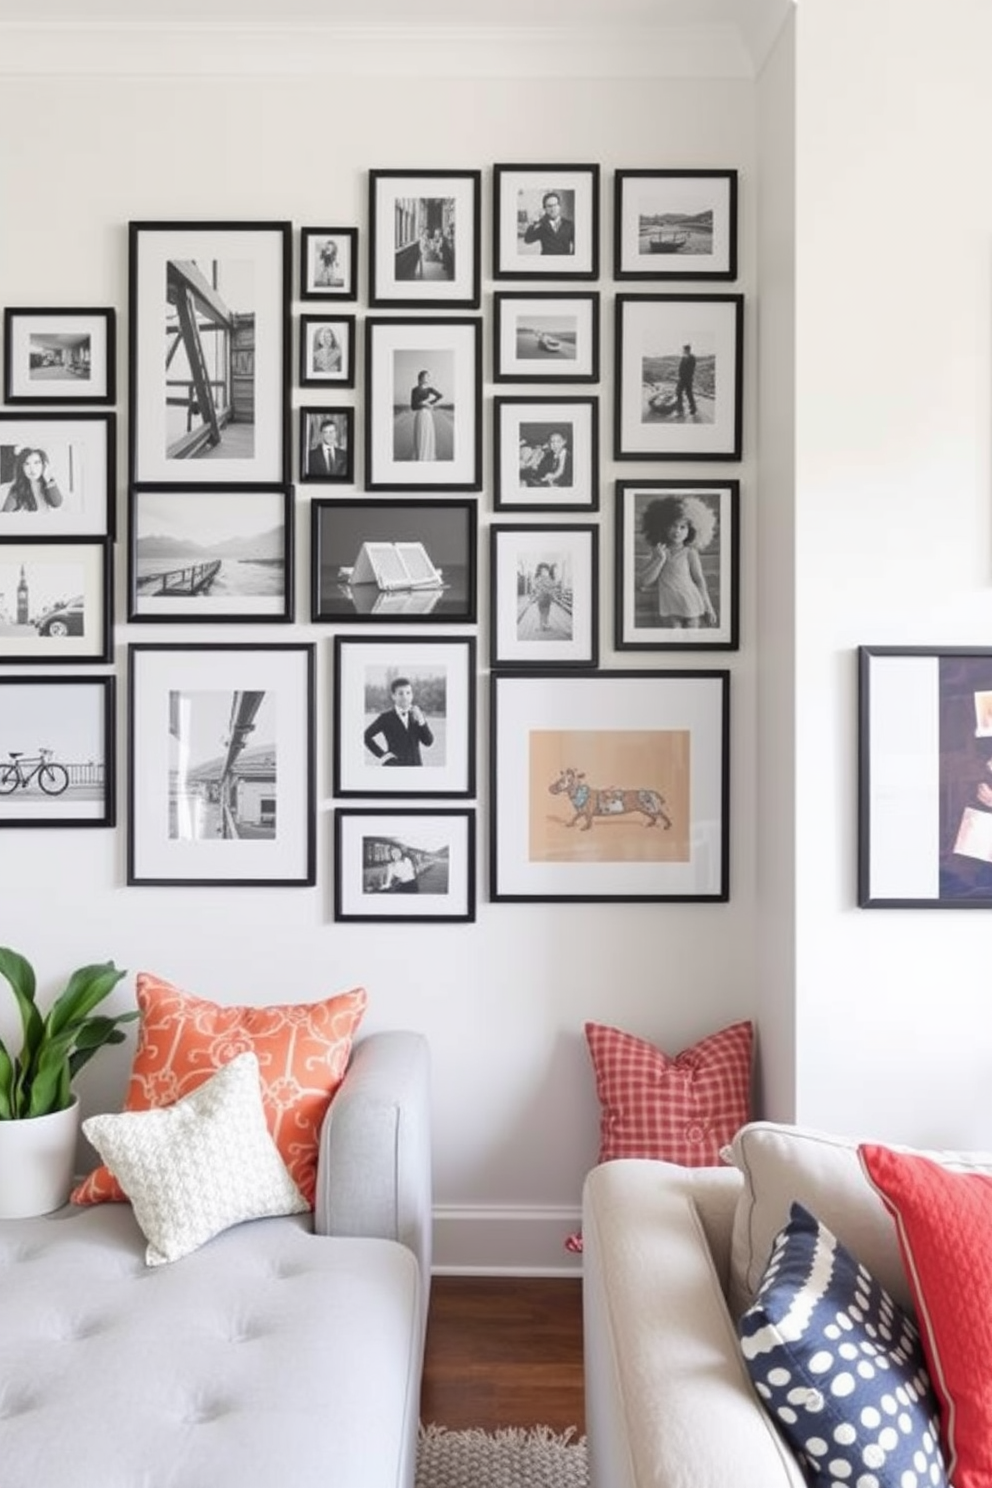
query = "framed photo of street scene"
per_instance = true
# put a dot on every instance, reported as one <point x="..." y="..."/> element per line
<point x="546" y="454"/>
<point x="609" y="786"/>
<point x="327" y="445"/>
<point x="328" y="263"/>
<point x="327" y="351"/>
<point x="545" y="221"/>
<point x="924" y="777"/>
<point x="209" y="554"/>
<point x="679" y="377"/>
<point x="423" y="404"/>
<point x="404" y="865"/>
<point x="424" y="246"/>
<point x="221" y="765"/>
<point x="404" y="716"/>
<point x="58" y="474"/>
<point x="209" y="353"/>
<point x="55" y="600"/>
<point x="675" y="224"/>
<point x="545" y="337"/>
<point x="58" y="764"/>
<point x="677" y="554"/>
<point x="544" y="595"/>
<point x="59" y="356"/>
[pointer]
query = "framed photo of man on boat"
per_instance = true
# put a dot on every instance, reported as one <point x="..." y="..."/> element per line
<point x="675" y="224"/>
<point x="209" y="353"/>
<point x="545" y="221"/>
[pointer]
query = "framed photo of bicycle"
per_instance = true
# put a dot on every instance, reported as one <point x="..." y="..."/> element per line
<point x="221" y="765"/>
<point x="424" y="247"/>
<point x="328" y="263"/>
<point x="675" y="224"/>
<point x="546" y="337"/>
<point x="404" y="865"/>
<point x="423" y="404"/>
<point x="55" y="600"/>
<point x="609" y="785"/>
<point x="679" y="377"/>
<point x="57" y="752"/>
<point x="58" y="474"/>
<point x="544" y="595"/>
<point x="209" y="353"/>
<point x="677" y="553"/>
<point x="327" y="351"/>
<point x="59" y="356"/>
<point x="545" y="221"/>
<point x="545" y="454"/>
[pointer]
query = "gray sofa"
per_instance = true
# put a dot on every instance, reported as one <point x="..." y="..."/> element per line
<point x="284" y="1352"/>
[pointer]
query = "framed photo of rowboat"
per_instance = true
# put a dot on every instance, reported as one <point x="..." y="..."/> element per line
<point x="675" y="224"/>
<point x="609" y="785"/>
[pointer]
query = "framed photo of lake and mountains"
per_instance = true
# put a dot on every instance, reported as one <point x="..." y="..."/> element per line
<point x="675" y="224"/>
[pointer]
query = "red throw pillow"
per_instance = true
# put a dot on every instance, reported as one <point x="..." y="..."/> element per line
<point x="944" y="1223"/>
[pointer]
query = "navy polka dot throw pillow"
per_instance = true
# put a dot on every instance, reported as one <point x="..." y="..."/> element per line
<point x="839" y="1368"/>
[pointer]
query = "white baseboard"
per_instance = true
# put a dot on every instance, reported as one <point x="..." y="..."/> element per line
<point x="492" y="1240"/>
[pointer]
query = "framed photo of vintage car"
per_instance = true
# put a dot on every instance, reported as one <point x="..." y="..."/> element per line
<point x="545" y="337"/>
<point x="56" y="597"/>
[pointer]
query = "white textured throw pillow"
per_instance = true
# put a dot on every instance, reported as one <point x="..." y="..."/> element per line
<point x="199" y="1166"/>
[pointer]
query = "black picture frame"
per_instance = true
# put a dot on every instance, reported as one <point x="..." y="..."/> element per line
<point x="435" y="853"/>
<point x="79" y="453"/>
<point x="546" y="336"/>
<point x="546" y="222"/>
<point x="64" y="601"/>
<point x="336" y="468"/>
<point x="424" y="239"/>
<point x="544" y="595"/>
<point x="328" y="263"/>
<point x="59" y="356"/>
<point x="546" y="454"/>
<point x="327" y="351"/>
<point x="675" y="224"/>
<point x="76" y="717"/>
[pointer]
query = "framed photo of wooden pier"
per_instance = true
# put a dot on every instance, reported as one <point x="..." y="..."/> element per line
<point x="675" y="224"/>
<point x="209" y="353"/>
<point x="404" y="865"/>
<point x="58" y="474"/>
<point x="59" y="356"/>
<point x="544" y="595"/>
<point x="424" y="247"/>
<point x="60" y="771"/>
<point x="56" y="596"/>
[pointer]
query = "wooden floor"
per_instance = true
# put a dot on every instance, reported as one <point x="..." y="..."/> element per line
<point x="504" y="1351"/>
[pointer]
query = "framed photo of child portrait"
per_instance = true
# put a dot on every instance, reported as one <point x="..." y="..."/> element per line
<point x="546" y="454"/>
<point x="328" y="263"/>
<point x="675" y="224"/>
<point x="59" y="356"/>
<point x="545" y="221"/>
<point x="677" y="556"/>
<point x="327" y="445"/>
<point x="424" y="238"/>
<point x="404" y="865"/>
<point x="327" y="351"/>
<point x="544" y="595"/>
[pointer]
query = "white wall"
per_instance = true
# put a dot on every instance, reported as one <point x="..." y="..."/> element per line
<point x="502" y="1001"/>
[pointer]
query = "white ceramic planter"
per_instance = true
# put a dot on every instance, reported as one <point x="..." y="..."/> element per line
<point x="37" y="1156"/>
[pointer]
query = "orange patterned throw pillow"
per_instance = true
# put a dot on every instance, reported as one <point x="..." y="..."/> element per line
<point x="302" y="1048"/>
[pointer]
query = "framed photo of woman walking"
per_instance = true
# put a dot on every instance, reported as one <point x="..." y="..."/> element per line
<point x="544" y="595"/>
<point x="423" y="404"/>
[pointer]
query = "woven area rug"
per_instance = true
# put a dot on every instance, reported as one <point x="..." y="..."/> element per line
<point x="509" y="1458"/>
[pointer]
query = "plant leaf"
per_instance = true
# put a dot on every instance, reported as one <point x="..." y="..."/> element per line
<point x="20" y="974"/>
<point x="6" y="1084"/>
<point x="87" y="987"/>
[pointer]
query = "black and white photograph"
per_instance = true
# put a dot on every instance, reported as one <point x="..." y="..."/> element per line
<point x="544" y="595"/>
<point x="677" y="564"/>
<point x="209" y="353"/>
<point x="424" y="246"/>
<point x="327" y="445"/>
<point x="59" y="356"/>
<point x="404" y="865"/>
<point x="210" y="555"/>
<point x="675" y="224"/>
<point x="221" y="768"/>
<point x="55" y="600"/>
<point x="57" y="757"/>
<point x="328" y="263"/>
<point x="57" y="474"/>
<point x="546" y="221"/>
<point x="545" y="337"/>
<point x="404" y="716"/>
<point x="327" y="351"/>
<point x="423" y="404"/>
<point x="679" y="361"/>
<point x="393" y="561"/>
<point x="546" y="454"/>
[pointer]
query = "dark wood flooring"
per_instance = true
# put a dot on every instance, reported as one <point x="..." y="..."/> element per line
<point x="504" y="1351"/>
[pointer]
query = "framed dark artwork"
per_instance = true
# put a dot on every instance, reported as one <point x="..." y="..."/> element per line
<point x="393" y="562"/>
<point x="56" y="596"/>
<point x="544" y="595"/>
<point x="424" y="246"/>
<point x="423" y="404"/>
<point x="677" y="556"/>
<point x="221" y="765"/>
<point x="675" y="224"/>
<point x="545" y="221"/>
<point x="679" y="377"/>
<point x="545" y="337"/>
<point x="328" y="263"/>
<point x="609" y="786"/>
<point x="404" y="865"/>
<point x="209" y="346"/>
<point x="59" y="356"/>
<point x="327" y="351"/>
<point x="57" y="752"/>
<point x="327" y="445"/>
<point x="209" y="554"/>
<point x="404" y="716"/>
<point x="924" y="777"/>
<point x="58" y="474"/>
<point x="546" y="454"/>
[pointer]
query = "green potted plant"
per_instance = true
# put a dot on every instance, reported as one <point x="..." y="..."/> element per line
<point x="39" y="1111"/>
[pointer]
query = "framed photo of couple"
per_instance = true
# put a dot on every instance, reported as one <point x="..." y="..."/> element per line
<point x="546" y="454"/>
<point x="424" y="239"/>
<point x="545" y="221"/>
<point x="404" y="865"/>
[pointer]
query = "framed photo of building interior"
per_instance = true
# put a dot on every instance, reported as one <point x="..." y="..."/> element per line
<point x="56" y="596"/>
<point x="679" y="377"/>
<point x="327" y="351"/>
<point x="544" y="595"/>
<point x="545" y="221"/>
<point x="328" y="263"/>
<point x="609" y="785"/>
<point x="59" y="356"/>
<point x="327" y="445"/>
<point x="58" y="474"/>
<point x="70" y="780"/>
<point x="546" y="454"/>
<point x="404" y="865"/>
<point x="424" y="246"/>
<point x="209" y="346"/>
<point x="221" y="765"/>
<point x="677" y="554"/>
<point x="550" y="336"/>
<point x="675" y="224"/>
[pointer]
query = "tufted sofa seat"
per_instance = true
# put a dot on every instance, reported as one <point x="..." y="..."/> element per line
<point x="285" y="1353"/>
